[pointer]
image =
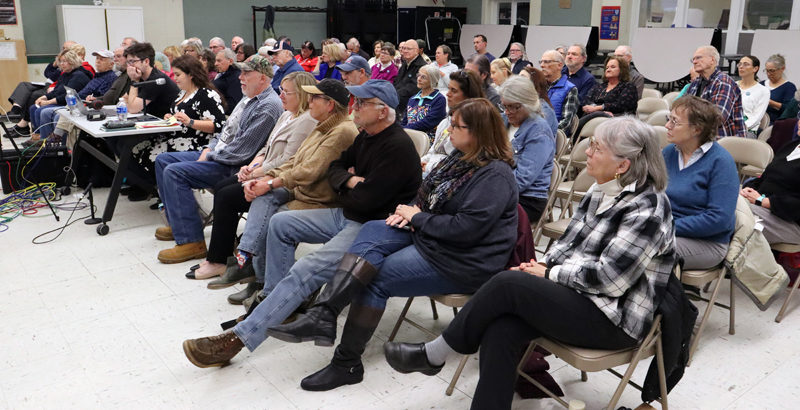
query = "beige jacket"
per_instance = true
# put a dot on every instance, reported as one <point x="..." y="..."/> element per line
<point x="281" y="145"/>
<point x="305" y="173"/>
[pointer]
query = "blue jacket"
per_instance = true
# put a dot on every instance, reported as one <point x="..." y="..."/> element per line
<point x="98" y="85"/>
<point x="425" y="113"/>
<point x="703" y="195"/>
<point x="558" y="93"/>
<point x="534" y="147"/>
<point x="582" y="79"/>
<point x="228" y="85"/>
<point x="75" y="79"/>
<point x="287" y="68"/>
<point x="549" y="116"/>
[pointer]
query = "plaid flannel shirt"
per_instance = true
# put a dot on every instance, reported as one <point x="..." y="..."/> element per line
<point x="721" y="90"/>
<point x="569" y="109"/>
<point x="618" y="258"/>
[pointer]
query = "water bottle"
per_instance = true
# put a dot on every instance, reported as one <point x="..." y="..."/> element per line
<point x="72" y="103"/>
<point x="122" y="110"/>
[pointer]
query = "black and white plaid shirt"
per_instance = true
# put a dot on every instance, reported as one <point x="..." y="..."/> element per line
<point x="617" y="258"/>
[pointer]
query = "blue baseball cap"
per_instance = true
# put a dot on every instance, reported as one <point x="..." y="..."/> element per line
<point x="354" y="63"/>
<point x="380" y="89"/>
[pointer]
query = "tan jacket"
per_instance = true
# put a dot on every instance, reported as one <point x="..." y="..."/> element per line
<point x="305" y="173"/>
<point x="282" y="145"/>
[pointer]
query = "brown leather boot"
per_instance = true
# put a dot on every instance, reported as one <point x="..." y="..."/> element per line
<point x="164" y="233"/>
<point x="182" y="253"/>
<point x="212" y="351"/>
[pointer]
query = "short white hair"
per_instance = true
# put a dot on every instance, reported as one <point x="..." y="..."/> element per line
<point x="711" y="51"/>
<point x="520" y="90"/>
<point x="555" y="55"/>
<point x="216" y="40"/>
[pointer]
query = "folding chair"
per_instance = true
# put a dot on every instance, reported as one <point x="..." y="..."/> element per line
<point x="662" y="135"/>
<point x="670" y="98"/>
<point x="553" y="230"/>
<point x="649" y="105"/>
<point x="651" y="93"/>
<point x="561" y="143"/>
<point x="595" y="360"/>
<point x="420" y="139"/>
<point x="788" y="248"/>
<point x="751" y="156"/>
<point x="547" y="213"/>
<point x="765" y="134"/>
<point x="658" y="118"/>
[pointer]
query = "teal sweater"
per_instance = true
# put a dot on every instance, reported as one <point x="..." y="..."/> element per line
<point x="703" y="195"/>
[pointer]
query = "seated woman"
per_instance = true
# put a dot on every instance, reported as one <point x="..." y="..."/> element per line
<point x="615" y="96"/>
<point x="74" y="76"/>
<point x="596" y="287"/>
<point x="172" y="52"/>
<point x="781" y="90"/>
<point x="500" y="71"/>
<point x="428" y="107"/>
<point x="385" y="69"/>
<point x="291" y="129"/>
<point x="463" y="85"/>
<point x="541" y="85"/>
<point x="377" y="46"/>
<point x="208" y="59"/>
<point x="703" y="183"/>
<point x="332" y="55"/>
<point x="460" y="231"/>
<point x="755" y="97"/>
<point x="533" y="143"/>
<point x="244" y="51"/>
<point x="307" y="57"/>
<point x="775" y="196"/>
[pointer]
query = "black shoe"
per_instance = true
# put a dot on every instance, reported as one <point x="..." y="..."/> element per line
<point x="126" y="190"/>
<point x="409" y="358"/>
<point x="154" y="206"/>
<point x="318" y="324"/>
<point x="18" y="132"/>
<point x="333" y="376"/>
<point x="138" y="194"/>
<point x="233" y="274"/>
<point x="239" y="297"/>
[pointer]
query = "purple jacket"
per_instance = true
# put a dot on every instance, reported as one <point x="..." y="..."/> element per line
<point x="388" y="74"/>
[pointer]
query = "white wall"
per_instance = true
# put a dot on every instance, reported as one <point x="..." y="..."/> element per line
<point x="163" y="20"/>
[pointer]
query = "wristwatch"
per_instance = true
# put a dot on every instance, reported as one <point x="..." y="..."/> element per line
<point x="270" y="183"/>
<point x="760" y="199"/>
<point x="191" y="123"/>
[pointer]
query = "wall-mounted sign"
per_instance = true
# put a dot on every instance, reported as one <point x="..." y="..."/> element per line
<point x="609" y="22"/>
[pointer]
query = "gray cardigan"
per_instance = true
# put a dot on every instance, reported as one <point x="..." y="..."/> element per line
<point x="285" y="140"/>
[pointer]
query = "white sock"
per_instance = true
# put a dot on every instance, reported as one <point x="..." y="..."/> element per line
<point x="438" y="351"/>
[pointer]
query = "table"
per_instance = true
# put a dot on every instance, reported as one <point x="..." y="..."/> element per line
<point x="126" y="140"/>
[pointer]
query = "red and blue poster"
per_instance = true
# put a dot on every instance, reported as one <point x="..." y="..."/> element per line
<point x="609" y="23"/>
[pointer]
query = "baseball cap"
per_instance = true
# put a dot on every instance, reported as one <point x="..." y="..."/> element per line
<point x="380" y="89"/>
<point x="354" y="63"/>
<point x="329" y="87"/>
<point x="103" y="53"/>
<point x="256" y="63"/>
<point x="281" y="46"/>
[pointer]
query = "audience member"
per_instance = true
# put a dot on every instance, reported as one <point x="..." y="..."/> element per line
<point x="208" y="61"/>
<point x="193" y="47"/>
<point x="376" y="49"/>
<point x="379" y="171"/>
<point x="541" y="85"/>
<point x="355" y="71"/>
<point x="121" y="84"/>
<point x="198" y="108"/>
<point x="703" y="184"/>
<point x="283" y="56"/>
<point x="719" y="88"/>
<point x="755" y="96"/>
<point x="227" y="79"/>
<point x="307" y="57"/>
<point x="517" y="57"/>
<point x="332" y="55"/>
<point x="562" y="93"/>
<point x="243" y="52"/>
<point x="354" y="48"/>
<point x="127" y="42"/>
<point x="216" y="45"/>
<point x="385" y="68"/>
<point x="692" y="76"/>
<point x="480" y="43"/>
<point x="577" y="73"/>
<point x="406" y="81"/>
<point x="428" y="107"/>
<point x="624" y="52"/>
<point x="598" y="287"/>
<point x="445" y="66"/>
<point x="422" y="45"/>
<point x="162" y="63"/>
<point x="500" y="71"/>
<point x="616" y="95"/>
<point x="562" y="49"/>
<point x="533" y="143"/>
<point x="235" y="42"/>
<point x="172" y="52"/>
<point x="781" y="90"/>
<point x="480" y="65"/>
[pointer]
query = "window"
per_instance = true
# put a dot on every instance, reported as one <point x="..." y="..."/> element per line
<point x="767" y="14"/>
<point x="657" y="13"/>
<point x="513" y="12"/>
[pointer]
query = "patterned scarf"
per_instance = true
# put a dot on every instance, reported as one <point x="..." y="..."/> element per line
<point x="443" y="182"/>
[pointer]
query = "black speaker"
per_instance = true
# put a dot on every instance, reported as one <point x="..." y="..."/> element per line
<point x="47" y="166"/>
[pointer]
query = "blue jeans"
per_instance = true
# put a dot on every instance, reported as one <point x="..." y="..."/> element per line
<point x="254" y="237"/>
<point x="177" y="173"/>
<point x="288" y="283"/>
<point x="43" y="117"/>
<point x="402" y="271"/>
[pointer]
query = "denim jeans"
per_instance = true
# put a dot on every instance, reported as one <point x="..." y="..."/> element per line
<point x="402" y="271"/>
<point x="42" y="119"/>
<point x="177" y="173"/>
<point x="288" y="283"/>
<point x="254" y="237"/>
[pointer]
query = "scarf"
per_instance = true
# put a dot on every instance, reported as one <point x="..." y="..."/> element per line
<point x="444" y="181"/>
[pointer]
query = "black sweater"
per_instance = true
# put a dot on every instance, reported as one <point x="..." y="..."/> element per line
<point x="473" y="237"/>
<point x="780" y="182"/>
<point x="390" y="166"/>
<point x="229" y="86"/>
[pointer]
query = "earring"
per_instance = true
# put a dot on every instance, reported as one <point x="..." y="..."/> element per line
<point x="616" y="176"/>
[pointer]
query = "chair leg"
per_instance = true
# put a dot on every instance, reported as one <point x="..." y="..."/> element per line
<point x="433" y="308"/>
<point x="400" y="319"/>
<point x="625" y="379"/>
<point x="584" y="376"/>
<point x="534" y="381"/>
<point x="786" y="302"/>
<point x="662" y="378"/>
<point x="456" y="375"/>
<point x="710" y="306"/>
<point x="732" y="308"/>
<point x="455" y="310"/>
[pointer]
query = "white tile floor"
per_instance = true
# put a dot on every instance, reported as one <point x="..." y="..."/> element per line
<point x="97" y="322"/>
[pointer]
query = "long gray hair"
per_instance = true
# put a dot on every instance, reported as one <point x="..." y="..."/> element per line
<point x="520" y="90"/>
<point x="629" y="138"/>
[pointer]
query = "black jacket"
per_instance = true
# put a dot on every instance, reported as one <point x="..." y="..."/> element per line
<point x="406" y="82"/>
<point x="75" y="79"/>
<point x="229" y="86"/>
<point x="392" y="173"/>
<point x="520" y="65"/>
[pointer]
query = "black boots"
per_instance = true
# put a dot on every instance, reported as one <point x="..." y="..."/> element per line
<point x="319" y="322"/>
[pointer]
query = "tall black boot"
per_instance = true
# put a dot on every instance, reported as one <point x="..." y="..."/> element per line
<point x="345" y="367"/>
<point x="319" y="322"/>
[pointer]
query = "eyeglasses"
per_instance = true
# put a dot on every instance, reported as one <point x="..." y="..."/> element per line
<point x="672" y="120"/>
<point x="320" y="96"/>
<point x="543" y="62"/>
<point x="133" y="60"/>
<point x="695" y="58"/>
<point x="454" y="125"/>
<point x="514" y="51"/>
<point x="358" y="103"/>
<point x="283" y="91"/>
<point x="772" y="70"/>
<point x="512" y="108"/>
<point x="594" y="146"/>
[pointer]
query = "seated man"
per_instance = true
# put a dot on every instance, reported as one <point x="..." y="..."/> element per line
<point x="562" y="93"/>
<point x="283" y="57"/>
<point x="216" y="45"/>
<point x="406" y="81"/>
<point x="637" y="78"/>
<point x="577" y="73"/>
<point x="227" y="80"/>
<point x="480" y="42"/>
<point x="177" y="173"/>
<point x="378" y="172"/>
<point x="719" y="88"/>
<point x="355" y="71"/>
<point x="152" y="98"/>
<point x="518" y="58"/>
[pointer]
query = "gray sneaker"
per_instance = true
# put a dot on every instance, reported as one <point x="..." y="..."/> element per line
<point x="234" y="275"/>
<point x="239" y="297"/>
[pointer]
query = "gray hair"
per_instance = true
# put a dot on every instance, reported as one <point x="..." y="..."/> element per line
<point x="216" y="40"/>
<point x="629" y="138"/>
<point x="270" y="42"/>
<point x="521" y="90"/>
<point x="521" y="47"/>
<point x="711" y="51"/>
<point x="778" y="60"/>
<point x="194" y="43"/>
<point x="626" y="50"/>
<point x="229" y="54"/>
<point x="582" y="47"/>
<point x="433" y="74"/>
<point x="555" y="55"/>
<point x="353" y="42"/>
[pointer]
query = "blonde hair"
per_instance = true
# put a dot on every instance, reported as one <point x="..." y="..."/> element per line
<point x="299" y="79"/>
<point x="71" y="57"/>
<point x="334" y="52"/>
<point x="81" y="50"/>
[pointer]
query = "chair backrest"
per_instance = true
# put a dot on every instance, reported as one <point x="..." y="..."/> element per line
<point x="547" y="213"/>
<point x="747" y="151"/>
<point x="662" y="136"/>
<point x="591" y="125"/>
<point x="764" y="122"/>
<point x="764" y="135"/>
<point x="651" y="93"/>
<point x="649" y="105"/>
<point x="578" y="154"/>
<point x="561" y="143"/>
<point x="658" y="118"/>
<point x="420" y="140"/>
<point x="670" y="97"/>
